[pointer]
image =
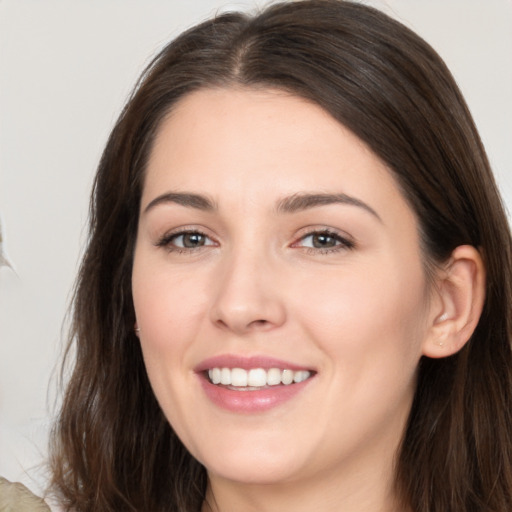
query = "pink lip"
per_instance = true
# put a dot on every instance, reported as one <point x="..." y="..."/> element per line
<point x="248" y="401"/>
<point x="246" y="363"/>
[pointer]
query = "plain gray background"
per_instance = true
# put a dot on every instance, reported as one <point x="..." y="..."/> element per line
<point x="66" y="68"/>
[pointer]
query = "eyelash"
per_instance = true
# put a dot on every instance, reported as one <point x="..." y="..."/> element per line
<point x="342" y="243"/>
<point x="168" y="239"/>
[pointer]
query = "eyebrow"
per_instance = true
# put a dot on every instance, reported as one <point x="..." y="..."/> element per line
<point x="189" y="200"/>
<point x="299" y="202"/>
<point x="290" y="204"/>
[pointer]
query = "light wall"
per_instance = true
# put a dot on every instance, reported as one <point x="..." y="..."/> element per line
<point x="66" y="69"/>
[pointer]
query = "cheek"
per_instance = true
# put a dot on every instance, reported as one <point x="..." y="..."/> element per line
<point x="366" y="315"/>
<point x="168" y="305"/>
<point x="167" y="311"/>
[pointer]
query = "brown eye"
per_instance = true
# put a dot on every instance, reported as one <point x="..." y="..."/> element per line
<point x="190" y="240"/>
<point x="323" y="240"/>
<point x="185" y="241"/>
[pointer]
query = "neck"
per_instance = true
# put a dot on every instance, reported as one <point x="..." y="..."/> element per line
<point x="353" y="492"/>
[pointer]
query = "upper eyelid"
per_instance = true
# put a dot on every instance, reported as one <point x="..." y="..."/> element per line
<point x="310" y="230"/>
<point x="168" y="236"/>
<point x="345" y="240"/>
<point x="300" y="235"/>
<point x="180" y="230"/>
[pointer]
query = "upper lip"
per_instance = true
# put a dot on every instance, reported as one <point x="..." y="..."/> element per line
<point x="247" y="363"/>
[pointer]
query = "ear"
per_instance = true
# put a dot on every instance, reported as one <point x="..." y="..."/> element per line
<point x="457" y="304"/>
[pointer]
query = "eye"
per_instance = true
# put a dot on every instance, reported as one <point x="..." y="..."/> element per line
<point x="189" y="240"/>
<point x="324" y="241"/>
<point x="184" y="241"/>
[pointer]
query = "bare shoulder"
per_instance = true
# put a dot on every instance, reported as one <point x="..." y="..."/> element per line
<point x="15" y="497"/>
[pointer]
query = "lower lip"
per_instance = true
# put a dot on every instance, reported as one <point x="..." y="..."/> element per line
<point x="251" y="401"/>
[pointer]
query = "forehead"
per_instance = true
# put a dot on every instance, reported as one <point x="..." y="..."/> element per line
<point x="257" y="144"/>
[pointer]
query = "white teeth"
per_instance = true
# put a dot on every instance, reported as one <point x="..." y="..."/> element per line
<point x="215" y="376"/>
<point x="300" y="376"/>
<point x="274" y="377"/>
<point x="287" y="377"/>
<point x="225" y="376"/>
<point x="256" y="377"/>
<point x="238" y="377"/>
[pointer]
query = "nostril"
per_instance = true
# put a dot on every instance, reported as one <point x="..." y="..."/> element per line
<point x="221" y="323"/>
<point x="254" y="324"/>
<point x="259" y="323"/>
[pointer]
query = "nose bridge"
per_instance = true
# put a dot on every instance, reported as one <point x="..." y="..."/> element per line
<point x="247" y="297"/>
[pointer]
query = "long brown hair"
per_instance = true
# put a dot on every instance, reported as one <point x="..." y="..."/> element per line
<point x="112" y="447"/>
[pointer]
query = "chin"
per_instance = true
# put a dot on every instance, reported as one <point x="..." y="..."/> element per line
<point x="262" y="471"/>
<point x="255" y="463"/>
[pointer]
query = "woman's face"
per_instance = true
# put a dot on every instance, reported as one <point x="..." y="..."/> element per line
<point x="274" y="246"/>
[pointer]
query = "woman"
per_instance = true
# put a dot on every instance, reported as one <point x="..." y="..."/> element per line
<point x="296" y="292"/>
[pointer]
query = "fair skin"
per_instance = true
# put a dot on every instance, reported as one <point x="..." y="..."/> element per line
<point x="269" y="231"/>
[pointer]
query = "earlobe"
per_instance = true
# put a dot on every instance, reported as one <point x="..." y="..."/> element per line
<point x="460" y="299"/>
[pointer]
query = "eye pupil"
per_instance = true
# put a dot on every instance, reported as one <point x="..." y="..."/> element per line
<point x="322" y="240"/>
<point x="191" y="240"/>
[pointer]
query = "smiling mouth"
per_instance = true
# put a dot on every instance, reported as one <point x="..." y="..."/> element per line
<point x="239" y="379"/>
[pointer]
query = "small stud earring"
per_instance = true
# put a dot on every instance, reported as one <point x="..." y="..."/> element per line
<point x="137" y="330"/>
<point x="443" y="317"/>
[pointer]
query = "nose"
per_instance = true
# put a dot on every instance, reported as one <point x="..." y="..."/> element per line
<point x="248" y="295"/>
